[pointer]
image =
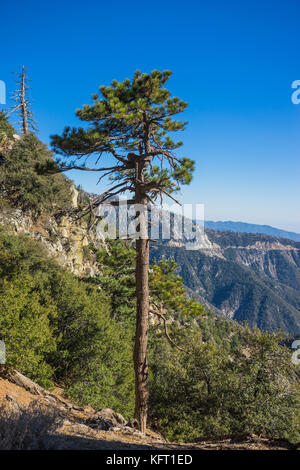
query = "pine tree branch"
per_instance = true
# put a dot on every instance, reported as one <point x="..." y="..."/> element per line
<point x="160" y="315"/>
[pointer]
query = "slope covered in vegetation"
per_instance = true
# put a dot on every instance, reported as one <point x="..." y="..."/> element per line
<point x="22" y="181"/>
<point x="246" y="277"/>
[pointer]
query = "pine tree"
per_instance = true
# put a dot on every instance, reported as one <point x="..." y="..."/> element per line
<point x="131" y="121"/>
<point x="22" y="107"/>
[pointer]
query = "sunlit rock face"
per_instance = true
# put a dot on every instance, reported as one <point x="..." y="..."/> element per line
<point x="66" y="241"/>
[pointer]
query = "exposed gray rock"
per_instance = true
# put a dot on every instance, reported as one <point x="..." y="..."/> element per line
<point x="10" y="398"/>
<point x="66" y="240"/>
<point x="50" y="399"/>
<point x="22" y="381"/>
<point x="109" y="420"/>
<point x="14" y="405"/>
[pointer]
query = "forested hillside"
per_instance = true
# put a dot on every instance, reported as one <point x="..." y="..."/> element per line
<point x="246" y="277"/>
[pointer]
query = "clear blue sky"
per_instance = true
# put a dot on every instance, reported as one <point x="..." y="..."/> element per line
<point x="233" y="61"/>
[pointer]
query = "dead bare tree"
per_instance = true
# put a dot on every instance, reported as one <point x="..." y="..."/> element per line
<point x="22" y="108"/>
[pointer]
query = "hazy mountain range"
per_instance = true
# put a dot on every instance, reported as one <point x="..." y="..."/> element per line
<point x="251" y="277"/>
<point x="244" y="227"/>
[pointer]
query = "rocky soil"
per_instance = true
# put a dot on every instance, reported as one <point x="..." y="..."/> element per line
<point x="85" y="428"/>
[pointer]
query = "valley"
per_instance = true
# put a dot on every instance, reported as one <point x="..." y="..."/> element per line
<point x="253" y="278"/>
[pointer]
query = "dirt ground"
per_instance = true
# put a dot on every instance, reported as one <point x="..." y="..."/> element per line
<point x="74" y="432"/>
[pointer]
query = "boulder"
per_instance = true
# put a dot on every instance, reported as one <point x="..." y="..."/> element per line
<point x="106" y="419"/>
<point x="111" y="415"/>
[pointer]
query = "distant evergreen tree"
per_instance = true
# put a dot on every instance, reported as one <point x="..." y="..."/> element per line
<point x="117" y="280"/>
<point x="168" y="299"/>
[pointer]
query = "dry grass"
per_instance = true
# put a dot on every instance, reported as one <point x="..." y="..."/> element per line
<point x="26" y="429"/>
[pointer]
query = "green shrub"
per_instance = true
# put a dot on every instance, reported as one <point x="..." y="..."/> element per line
<point x="6" y="129"/>
<point x="58" y="327"/>
<point x="24" y="182"/>
<point x="217" y="393"/>
<point x="94" y="354"/>
<point x="25" y="315"/>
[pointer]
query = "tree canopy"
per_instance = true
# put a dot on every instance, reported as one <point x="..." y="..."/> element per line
<point x="131" y="120"/>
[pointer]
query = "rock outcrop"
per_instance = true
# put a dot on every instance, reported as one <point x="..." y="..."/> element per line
<point x="67" y="241"/>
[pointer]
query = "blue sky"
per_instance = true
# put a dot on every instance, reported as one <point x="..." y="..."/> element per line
<point x="233" y="61"/>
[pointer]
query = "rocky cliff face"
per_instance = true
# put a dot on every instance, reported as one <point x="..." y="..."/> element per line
<point x="67" y="241"/>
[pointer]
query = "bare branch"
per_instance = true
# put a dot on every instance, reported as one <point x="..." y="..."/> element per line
<point x="160" y="315"/>
<point x="171" y="197"/>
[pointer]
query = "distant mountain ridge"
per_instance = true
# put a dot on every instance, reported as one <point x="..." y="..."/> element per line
<point x="244" y="227"/>
<point x="248" y="277"/>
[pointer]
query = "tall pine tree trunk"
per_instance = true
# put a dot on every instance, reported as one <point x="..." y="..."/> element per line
<point x="141" y="337"/>
<point x="142" y="306"/>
